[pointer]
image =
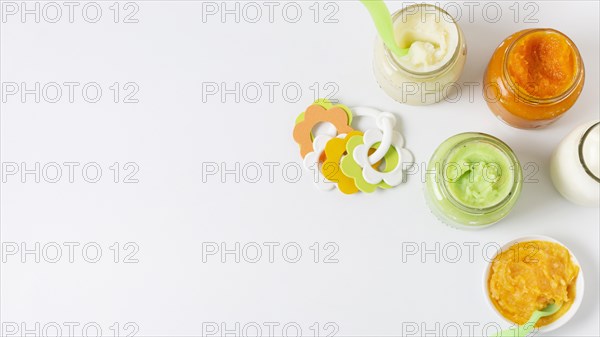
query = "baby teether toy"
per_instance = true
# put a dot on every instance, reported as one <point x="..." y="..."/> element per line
<point x="334" y="151"/>
<point x="352" y="161"/>
<point x="317" y="113"/>
<point x="392" y="176"/>
<point x="312" y="162"/>
<point x="351" y="168"/>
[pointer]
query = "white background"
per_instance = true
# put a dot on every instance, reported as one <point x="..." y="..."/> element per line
<point x="170" y="212"/>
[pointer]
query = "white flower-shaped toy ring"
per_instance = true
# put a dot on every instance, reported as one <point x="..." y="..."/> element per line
<point x="393" y="177"/>
<point x="312" y="162"/>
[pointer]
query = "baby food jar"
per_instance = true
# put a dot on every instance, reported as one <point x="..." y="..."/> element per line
<point x="472" y="180"/>
<point x="435" y="61"/>
<point x="575" y="165"/>
<point x="533" y="78"/>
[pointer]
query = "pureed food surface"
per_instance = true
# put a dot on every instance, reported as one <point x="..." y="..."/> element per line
<point x="478" y="174"/>
<point x="430" y="35"/>
<point x="528" y="277"/>
<point x="475" y="180"/>
<point x="533" y="78"/>
<point x="436" y="56"/>
<point x="542" y="64"/>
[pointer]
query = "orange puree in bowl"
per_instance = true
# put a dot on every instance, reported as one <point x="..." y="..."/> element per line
<point x="528" y="277"/>
<point x="543" y="64"/>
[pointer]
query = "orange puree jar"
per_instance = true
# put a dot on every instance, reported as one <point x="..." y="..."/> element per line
<point x="533" y="78"/>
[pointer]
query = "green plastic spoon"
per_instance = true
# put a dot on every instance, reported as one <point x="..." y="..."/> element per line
<point x="383" y="22"/>
<point x="527" y="328"/>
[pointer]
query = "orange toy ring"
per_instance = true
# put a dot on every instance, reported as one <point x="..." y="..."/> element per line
<point x="314" y="115"/>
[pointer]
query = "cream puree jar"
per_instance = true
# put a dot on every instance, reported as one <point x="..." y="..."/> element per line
<point x="575" y="165"/>
<point x="435" y="61"/>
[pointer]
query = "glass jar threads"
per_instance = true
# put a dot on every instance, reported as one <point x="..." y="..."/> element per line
<point x="533" y="78"/>
<point x="473" y="180"/>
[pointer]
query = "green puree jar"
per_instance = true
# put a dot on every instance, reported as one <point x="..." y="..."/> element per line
<point x="472" y="181"/>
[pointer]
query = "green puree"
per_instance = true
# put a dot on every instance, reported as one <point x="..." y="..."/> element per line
<point x="478" y="174"/>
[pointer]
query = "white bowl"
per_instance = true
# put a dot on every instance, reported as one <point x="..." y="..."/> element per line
<point x="579" y="285"/>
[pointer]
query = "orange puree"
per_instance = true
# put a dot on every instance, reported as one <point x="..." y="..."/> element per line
<point x="543" y="64"/>
<point x="528" y="277"/>
<point x="533" y="78"/>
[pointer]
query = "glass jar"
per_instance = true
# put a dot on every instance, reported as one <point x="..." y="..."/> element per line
<point x="575" y="165"/>
<point x="473" y="180"/>
<point x="533" y="78"/>
<point x="425" y="75"/>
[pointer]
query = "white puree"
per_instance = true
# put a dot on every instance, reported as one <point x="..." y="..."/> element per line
<point x="421" y="76"/>
<point x="567" y="172"/>
<point x="431" y="35"/>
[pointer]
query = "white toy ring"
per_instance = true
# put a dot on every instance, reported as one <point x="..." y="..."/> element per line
<point x="385" y="121"/>
<point x="312" y="162"/>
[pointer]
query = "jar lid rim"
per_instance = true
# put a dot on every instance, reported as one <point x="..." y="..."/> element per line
<point x="581" y="154"/>
<point x="506" y="150"/>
